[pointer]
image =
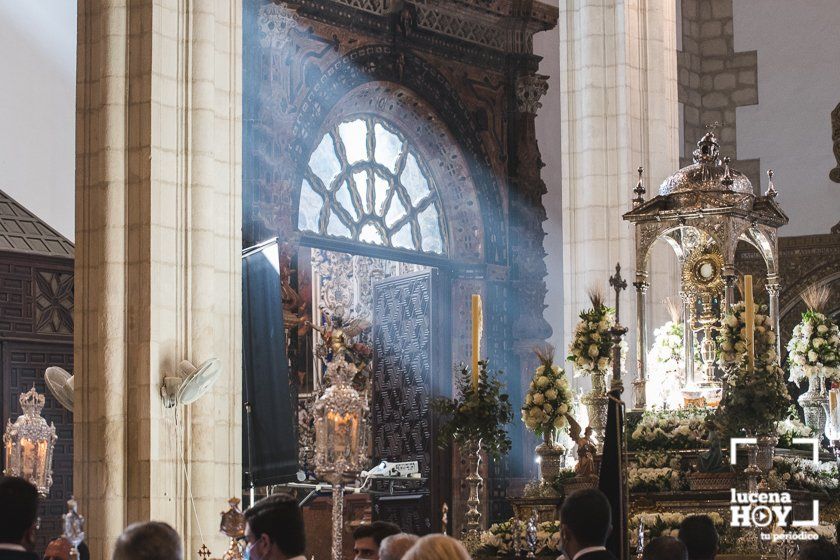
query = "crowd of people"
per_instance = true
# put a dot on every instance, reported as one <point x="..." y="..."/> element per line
<point x="274" y="530"/>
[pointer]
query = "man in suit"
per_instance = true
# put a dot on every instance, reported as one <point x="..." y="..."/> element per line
<point x="274" y="529"/>
<point x="18" y="519"/>
<point x="585" y="523"/>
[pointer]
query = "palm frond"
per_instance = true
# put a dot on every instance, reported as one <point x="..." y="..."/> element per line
<point x="816" y="297"/>
<point x="596" y="296"/>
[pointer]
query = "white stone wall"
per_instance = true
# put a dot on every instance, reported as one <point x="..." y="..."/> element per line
<point x="798" y="47"/>
<point x="618" y="110"/>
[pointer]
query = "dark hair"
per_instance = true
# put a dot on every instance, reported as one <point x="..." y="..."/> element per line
<point x="150" y="540"/>
<point x="698" y="534"/>
<point x="819" y="549"/>
<point x="18" y="508"/>
<point x="279" y="517"/>
<point x="377" y="530"/>
<point x="665" y="548"/>
<point x="587" y="514"/>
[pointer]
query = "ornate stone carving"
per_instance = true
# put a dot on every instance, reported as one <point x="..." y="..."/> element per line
<point x="275" y="21"/>
<point x="529" y="89"/>
<point x="834" y="174"/>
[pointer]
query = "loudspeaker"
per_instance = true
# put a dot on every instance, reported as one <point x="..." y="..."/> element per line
<point x="269" y="417"/>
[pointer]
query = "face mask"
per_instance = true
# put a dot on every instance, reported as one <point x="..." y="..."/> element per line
<point x="247" y="554"/>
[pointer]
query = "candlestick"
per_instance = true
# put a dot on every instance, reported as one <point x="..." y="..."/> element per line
<point x="749" y="319"/>
<point x="476" y="338"/>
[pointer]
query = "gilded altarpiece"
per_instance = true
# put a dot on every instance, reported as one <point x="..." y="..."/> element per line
<point x="458" y="82"/>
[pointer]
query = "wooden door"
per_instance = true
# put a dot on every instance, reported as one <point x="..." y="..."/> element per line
<point x="410" y="369"/>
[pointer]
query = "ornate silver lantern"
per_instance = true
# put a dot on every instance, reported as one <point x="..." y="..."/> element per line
<point x="29" y="444"/>
<point x="702" y="211"/>
<point x="339" y="439"/>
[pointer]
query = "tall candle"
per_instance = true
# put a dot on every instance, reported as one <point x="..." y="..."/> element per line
<point x="476" y="338"/>
<point x="749" y="319"/>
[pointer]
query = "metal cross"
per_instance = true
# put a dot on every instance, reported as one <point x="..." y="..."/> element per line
<point x="204" y="552"/>
<point x="618" y="283"/>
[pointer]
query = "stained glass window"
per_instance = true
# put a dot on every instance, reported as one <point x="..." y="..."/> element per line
<point x="367" y="183"/>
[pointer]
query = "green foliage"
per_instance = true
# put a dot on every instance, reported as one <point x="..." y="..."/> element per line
<point x="475" y="415"/>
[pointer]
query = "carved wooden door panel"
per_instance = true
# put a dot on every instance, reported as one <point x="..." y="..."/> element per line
<point x="409" y="371"/>
<point x="23" y="365"/>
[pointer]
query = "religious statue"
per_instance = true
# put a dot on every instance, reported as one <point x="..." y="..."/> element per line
<point x="712" y="461"/>
<point x="585" y="448"/>
<point x="337" y="335"/>
<point x="74" y="526"/>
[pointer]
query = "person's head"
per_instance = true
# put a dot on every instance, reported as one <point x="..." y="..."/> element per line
<point x="819" y="549"/>
<point x="665" y="548"/>
<point x="585" y="520"/>
<point x="437" y="547"/>
<point x="274" y="529"/>
<point x="394" y="547"/>
<point x="150" y="540"/>
<point x="368" y="537"/>
<point x="698" y="534"/>
<point x="58" y="549"/>
<point x="18" y="512"/>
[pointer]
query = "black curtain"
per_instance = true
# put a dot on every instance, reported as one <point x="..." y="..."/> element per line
<point x="269" y="416"/>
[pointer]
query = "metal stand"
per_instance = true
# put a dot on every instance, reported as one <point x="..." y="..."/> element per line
<point x="472" y="526"/>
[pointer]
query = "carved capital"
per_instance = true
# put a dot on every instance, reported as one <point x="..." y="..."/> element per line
<point x="642" y="287"/>
<point x="529" y="89"/>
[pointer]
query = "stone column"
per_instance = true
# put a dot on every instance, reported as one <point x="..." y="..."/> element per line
<point x="619" y="85"/>
<point x="773" y="290"/>
<point x="688" y="338"/>
<point x="158" y="220"/>
<point x="639" y="385"/>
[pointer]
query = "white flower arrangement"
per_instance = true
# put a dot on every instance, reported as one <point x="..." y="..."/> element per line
<point x="549" y="397"/>
<point x="792" y="427"/>
<point x="666" y="361"/>
<point x="653" y="479"/>
<point x="814" y="348"/>
<point x="732" y="340"/>
<point x="795" y="472"/>
<point x="670" y="429"/>
<point x="500" y="539"/>
<point x="591" y="347"/>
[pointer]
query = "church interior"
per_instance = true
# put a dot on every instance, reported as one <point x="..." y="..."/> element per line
<point x="438" y="263"/>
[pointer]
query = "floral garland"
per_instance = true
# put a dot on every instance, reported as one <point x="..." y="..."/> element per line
<point x="753" y="401"/>
<point x="814" y="348"/>
<point x="549" y="397"/>
<point x="500" y="539"/>
<point x="591" y="347"/>
<point x="670" y="430"/>
<point x="732" y="340"/>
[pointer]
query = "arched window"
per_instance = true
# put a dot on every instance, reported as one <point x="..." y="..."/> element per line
<point x="365" y="182"/>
